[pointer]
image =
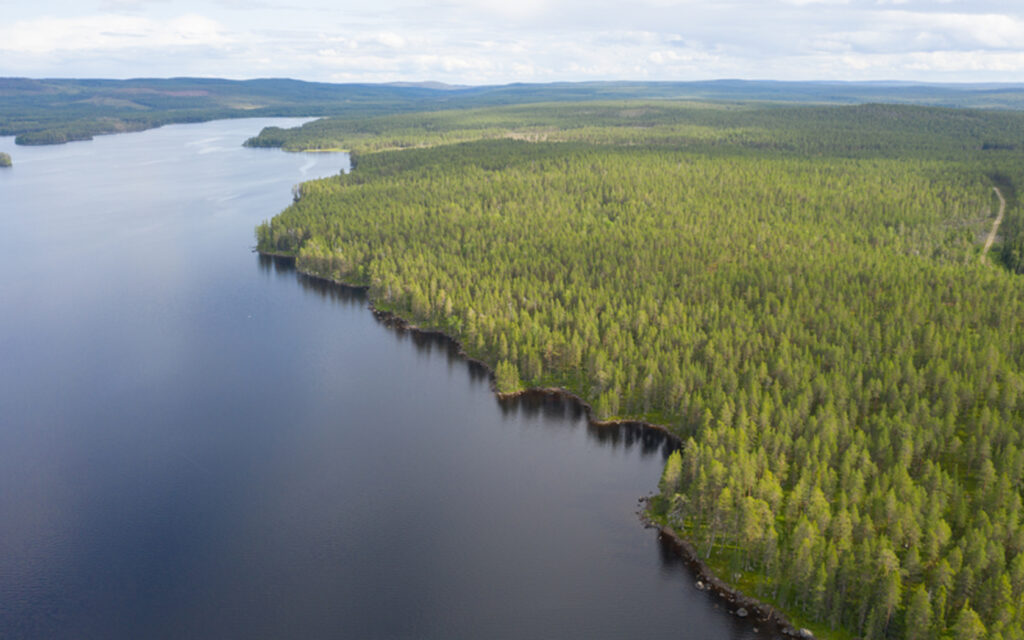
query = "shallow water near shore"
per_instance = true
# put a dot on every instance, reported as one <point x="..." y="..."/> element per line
<point x="197" y="442"/>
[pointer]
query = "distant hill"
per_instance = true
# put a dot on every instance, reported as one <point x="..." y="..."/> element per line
<point x="51" y="111"/>
<point x="429" y="85"/>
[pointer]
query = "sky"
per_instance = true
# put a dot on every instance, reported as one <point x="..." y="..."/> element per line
<point x="500" y="41"/>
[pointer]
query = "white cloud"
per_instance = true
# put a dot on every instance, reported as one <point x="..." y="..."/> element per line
<point x="108" y="32"/>
<point x="494" y="41"/>
<point x="986" y="30"/>
<point x="801" y="3"/>
<point x="514" y="9"/>
<point x="390" y="39"/>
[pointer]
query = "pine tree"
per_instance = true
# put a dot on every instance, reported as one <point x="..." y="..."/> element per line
<point x="506" y="377"/>
<point x="968" y="625"/>
<point x="919" y="615"/>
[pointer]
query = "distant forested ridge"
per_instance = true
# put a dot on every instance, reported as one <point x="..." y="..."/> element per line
<point x="53" y="111"/>
<point x="796" y="291"/>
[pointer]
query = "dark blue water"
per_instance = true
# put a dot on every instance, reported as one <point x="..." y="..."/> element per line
<point x="199" y="443"/>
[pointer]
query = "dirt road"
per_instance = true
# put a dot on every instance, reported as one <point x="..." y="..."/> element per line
<point x="995" y="225"/>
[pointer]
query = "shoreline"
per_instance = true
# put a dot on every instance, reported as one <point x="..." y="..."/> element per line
<point x="737" y="604"/>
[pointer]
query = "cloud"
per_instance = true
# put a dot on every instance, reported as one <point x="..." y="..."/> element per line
<point x="109" y="32"/>
<point x="390" y="39"/>
<point x="899" y="32"/>
<point x="517" y="10"/>
<point x="802" y="3"/>
<point x="988" y="30"/>
<point x="495" y="41"/>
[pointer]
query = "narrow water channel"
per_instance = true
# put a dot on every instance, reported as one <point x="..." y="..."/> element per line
<point x="196" y="442"/>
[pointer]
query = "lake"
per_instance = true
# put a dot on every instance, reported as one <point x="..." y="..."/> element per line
<point x="197" y="442"/>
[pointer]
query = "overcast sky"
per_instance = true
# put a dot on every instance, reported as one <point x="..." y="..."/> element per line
<point x="500" y="41"/>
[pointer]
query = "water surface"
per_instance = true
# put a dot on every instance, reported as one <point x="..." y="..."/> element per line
<point x="198" y="443"/>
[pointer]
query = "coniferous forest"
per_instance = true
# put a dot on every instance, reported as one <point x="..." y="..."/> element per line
<point x="799" y="292"/>
<point x="60" y="110"/>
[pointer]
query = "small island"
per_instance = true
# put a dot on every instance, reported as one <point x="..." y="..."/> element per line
<point x="5" y="160"/>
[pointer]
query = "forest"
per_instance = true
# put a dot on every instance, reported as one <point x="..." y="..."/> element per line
<point x="56" y="110"/>
<point x="798" y="292"/>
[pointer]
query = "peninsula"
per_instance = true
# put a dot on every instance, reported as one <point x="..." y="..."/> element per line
<point x="796" y="292"/>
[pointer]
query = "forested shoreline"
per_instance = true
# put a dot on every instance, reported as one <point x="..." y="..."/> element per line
<point x="795" y="292"/>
